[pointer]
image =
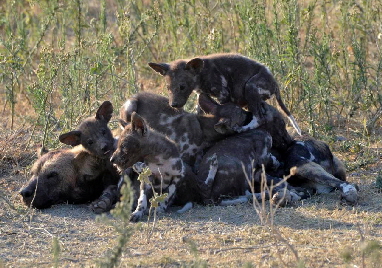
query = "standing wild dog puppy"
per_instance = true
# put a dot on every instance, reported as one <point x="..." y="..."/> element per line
<point x="139" y="143"/>
<point x="228" y="77"/>
<point x="79" y="174"/>
<point x="192" y="133"/>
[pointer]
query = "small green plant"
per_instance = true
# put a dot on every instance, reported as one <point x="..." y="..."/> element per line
<point x="378" y="180"/>
<point x="122" y="226"/>
<point x="144" y="177"/>
<point x="197" y="262"/>
<point x="56" y="251"/>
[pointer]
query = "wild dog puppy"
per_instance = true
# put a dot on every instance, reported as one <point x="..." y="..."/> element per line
<point x="228" y="77"/>
<point x="309" y="162"/>
<point x="192" y="133"/>
<point x="80" y="174"/>
<point x="230" y="163"/>
<point x="140" y="143"/>
<point x="312" y="166"/>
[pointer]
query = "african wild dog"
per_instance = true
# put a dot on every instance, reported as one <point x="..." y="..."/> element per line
<point x="229" y="166"/>
<point x="138" y="143"/>
<point x="80" y="174"/>
<point x="228" y="77"/>
<point x="309" y="162"/>
<point x="192" y="133"/>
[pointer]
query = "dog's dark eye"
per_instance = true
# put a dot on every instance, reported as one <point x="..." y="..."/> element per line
<point x="90" y="141"/>
<point x="103" y="131"/>
<point x="52" y="174"/>
<point x="182" y="87"/>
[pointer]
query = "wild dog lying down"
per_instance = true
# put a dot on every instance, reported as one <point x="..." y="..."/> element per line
<point x="76" y="175"/>
<point x="309" y="161"/>
<point x="192" y="133"/>
<point x="139" y="143"/>
<point x="228" y="77"/>
<point x="229" y="166"/>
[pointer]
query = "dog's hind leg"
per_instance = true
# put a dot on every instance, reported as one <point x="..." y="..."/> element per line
<point x="313" y="172"/>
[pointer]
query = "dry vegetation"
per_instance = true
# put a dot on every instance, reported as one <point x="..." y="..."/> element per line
<point x="60" y="59"/>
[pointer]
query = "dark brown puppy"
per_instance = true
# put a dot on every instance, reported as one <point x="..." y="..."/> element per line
<point x="228" y="77"/>
<point x="79" y="174"/>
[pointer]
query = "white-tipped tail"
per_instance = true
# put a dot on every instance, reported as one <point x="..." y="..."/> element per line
<point x="294" y="124"/>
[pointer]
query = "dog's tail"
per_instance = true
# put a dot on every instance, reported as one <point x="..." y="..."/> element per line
<point x="286" y="111"/>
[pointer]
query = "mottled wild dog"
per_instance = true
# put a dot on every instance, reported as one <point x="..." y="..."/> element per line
<point x="140" y="143"/>
<point x="76" y="175"/>
<point x="192" y="133"/>
<point x="228" y="77"/>
<point x="310" y="162"/>
<point x="230" y="163"/>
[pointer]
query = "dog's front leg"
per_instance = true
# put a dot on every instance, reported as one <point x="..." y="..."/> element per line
<point x="142" y="206"/>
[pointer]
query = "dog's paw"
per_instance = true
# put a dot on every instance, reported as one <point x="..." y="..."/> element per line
<point x="282" y="197"/>
<point x="136" y="216"/>
<point x="106" y="201"/>
<point x="349" y="193"/>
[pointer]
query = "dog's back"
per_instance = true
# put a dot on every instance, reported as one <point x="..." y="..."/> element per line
<point x="233" y="159"/>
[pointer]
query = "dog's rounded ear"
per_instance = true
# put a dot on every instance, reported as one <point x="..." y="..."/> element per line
<point x="161" y="68"/>
<point x="72" y="138"/>
<point x="138" y="124"/>
<point x="122" y="123"/>
<point x="41" y="150"/>
<point x="208" y="105"/>
<point x="105" y="111"/>
<point x="195" y="64"/>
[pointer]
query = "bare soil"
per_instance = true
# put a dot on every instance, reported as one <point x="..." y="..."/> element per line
<point x="317" y="232"/>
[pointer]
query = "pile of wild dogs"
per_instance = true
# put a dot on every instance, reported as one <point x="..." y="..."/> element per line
<point x="217" y="156"/>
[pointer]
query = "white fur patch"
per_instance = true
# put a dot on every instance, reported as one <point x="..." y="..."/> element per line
<point x="251" y="125"/>
<point x="294" y="124"/>
<point x="212" y="170"/>
<point x="349" y="193"/>
<point x="224" y="81"/>
<point x="300" y="143"/>
<point x="312" y="158"/>
<point x="141" y="207"/>
<point x="128" y="107"/>
<point x="185" y="208"/>
<point x="347" y="188"/>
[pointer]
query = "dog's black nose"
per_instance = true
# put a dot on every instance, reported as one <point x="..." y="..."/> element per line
<point x="104" y="148"/>
<point x="26" y="192"/>
<point x="175" y="105"/>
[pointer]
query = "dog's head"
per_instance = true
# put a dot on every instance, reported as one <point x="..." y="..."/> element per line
<point x="53" y="178"/>
<point x="130" y="143"/>
<point x="182" y="77"/>
<point x="93" y="133"/>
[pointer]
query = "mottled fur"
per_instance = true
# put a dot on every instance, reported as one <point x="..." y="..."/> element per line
<point x="192" y="133"/>
<point x="228" y="77"/>
<point x="227" y="165"/>
<point x="139" y="143"/>
<point x="310" y="162"/>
